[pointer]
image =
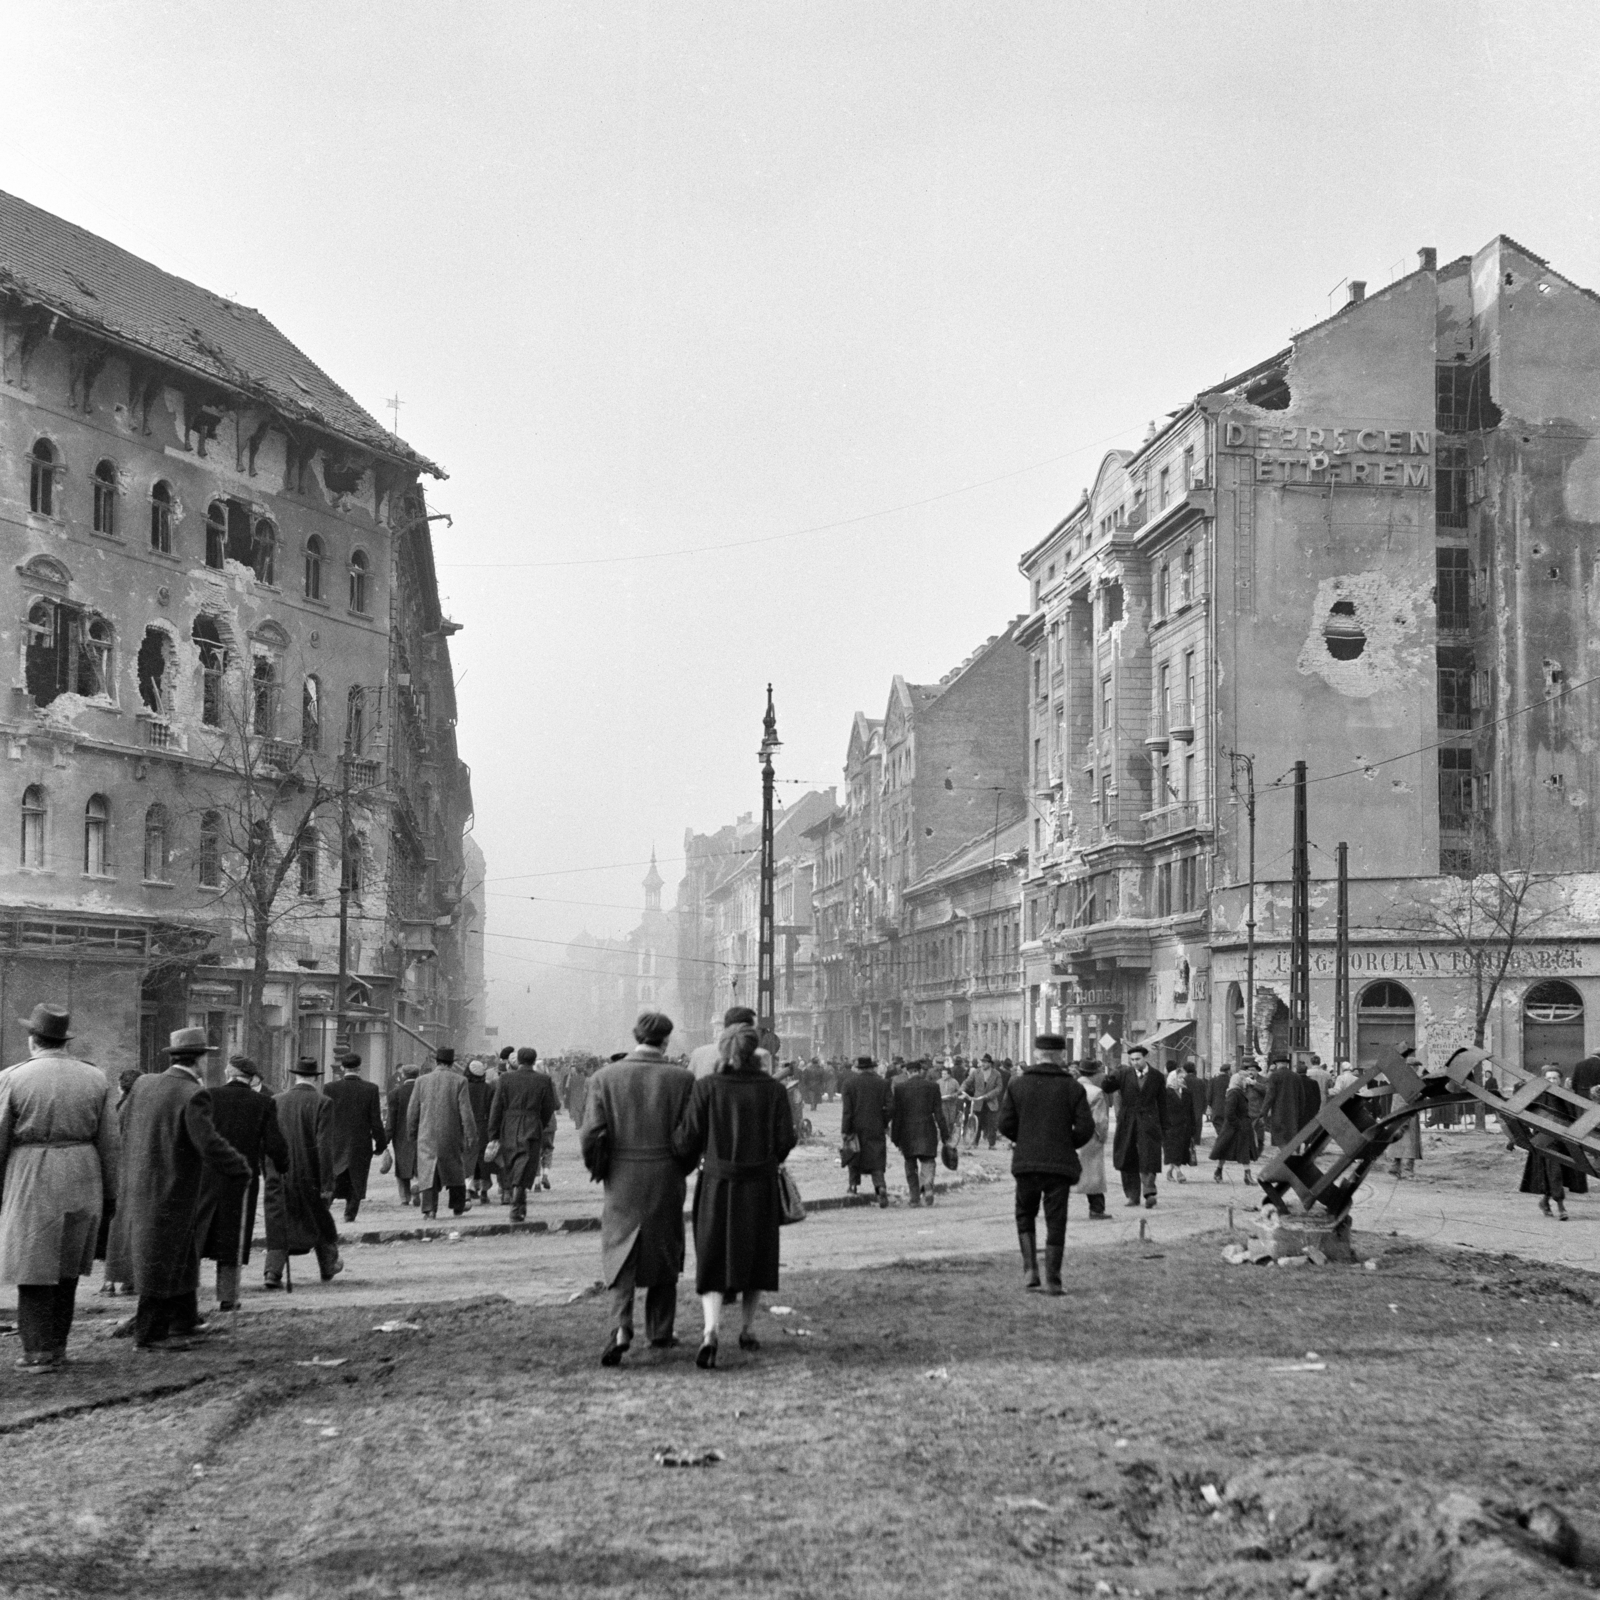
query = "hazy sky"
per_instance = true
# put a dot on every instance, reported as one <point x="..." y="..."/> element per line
<point x="650" y="278"/>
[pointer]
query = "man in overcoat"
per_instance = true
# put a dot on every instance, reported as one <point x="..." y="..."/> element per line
<point x="865" y="1112"/>
<point x="59" y="1143"/>
<point x="522" y="1107"/>
<point x="1045" y="1113"/>
<point x="405" y="1141"/>
<point x="248" y="1120"/>
<point x="1281" y="1101"/>
<point x="985" y="1086"/>
<point x="358" y="1132"/>
<point x="634" y="1107"/>
<point x="298" y="1218"/>
<point x="918" y="1126"/>
<point x="440" y="1120"/>
<point x="1141" y="1093"/>
<point x="168" y="1140"/>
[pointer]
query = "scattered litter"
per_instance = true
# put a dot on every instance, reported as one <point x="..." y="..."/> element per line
<point x="939" y="1374"/>
<point x="674" y="1457"/>
<point x="597" y="1287"/>
<point x="1019" y="1502"/>
<point x="1315" y="1256"/>
<point x="396" y="1326"/>
<point x="1302" y="1366"/>
<point x="1102" y="1587"/>
<point x="1311" y="1355"/>
<point x="324" y="1361"/>
<point x="805" y="1333"/>
<point x="1293" y="1261"/>
<point x="197" y="1471"/>
<point x="328" y="1433"/>
<point x="1555" y="1344"/>
<point x="1211" y="1495"/>
<point x="452" y="1237"/>
<point x="7" y="1329"/>
<point x="1393" y="1306"/>
<point x="1119" y="1444"/>
<point x="783" y="1311"/>
<point x="1370" y="1266"/>
<point x="1594" y="1375"/>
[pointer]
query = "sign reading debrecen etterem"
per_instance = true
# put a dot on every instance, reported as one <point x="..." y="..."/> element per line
<point x="1377" y="458"/>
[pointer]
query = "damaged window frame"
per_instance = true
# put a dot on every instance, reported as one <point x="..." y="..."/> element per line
<point x="68" y="650"/>
<point x="155" y="688"/>
<point x="215" y="658"/>
<point x="316" y="556"/>
<point x="161" y="517"/>
<point x="264" y="694"/>
<point x="45" y="471"/>
<point x="311" y="713"/>
<point x="309" y="865"/>
<point x="106" y="494"/>
<point x="264" y="552"/>
<point x="360" y="576"/>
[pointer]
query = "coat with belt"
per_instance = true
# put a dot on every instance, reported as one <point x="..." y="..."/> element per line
<point x="298" y="1218"/>
<point x="522" y="1107"/>
<point x="440" y="1120"/>
<point x="59" y="1142"/>
<point x="358" y="1131"/>
<point x="634" y="1107"/>
<point x="866" y="1106"/>
<point x="917" y="1123"/>
<point x="249" y="1122"/>
<point x="1092" y="1156"/>
<point x="1045" y="1113"/>
<point x="1141" y="1117"/>
<point x="168" y="1141"/>
<point x="742" y="1124"/>
<point x="404" y="1140"/>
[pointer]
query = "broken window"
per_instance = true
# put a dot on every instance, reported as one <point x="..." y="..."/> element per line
<point x="1270" y="392"/>
<point x="1451" y="479"/>
<point x="1457" y="790"/>
<point x="1164" y="889"/>
<point x="355" y="722"/>
<point x="155" y="844"/>
<point x="315" y="553"/>
<point x="264" y="552"/>
<point x="161" y="518"/>
<point x="1455" y="672"/>
<point x="155" y="683"/>
<point x="67" y="652"/>
<point x="213" y="664"/>
<point x="358" y="582"/>
<point x="230" y="534"/>
<point x="311" y="714"/>
<point x="308" y="866"/>
<point x="1113" y="603"/>
<point x="96" y="836"/>
<point x="1344" y="635"/>
<point x="1105" y="703"/>
<point x="43" y="465"/>
<point x="105" y="498"/>
<point x="33" y="812"/>
<point x="216" y="534"/>
<point x="1164" y="490"/>
<point x="1462" y="403"/>
<point x="208" y="864"/>
<point x="264" y="697"/>
<point x="1453" y="593"/>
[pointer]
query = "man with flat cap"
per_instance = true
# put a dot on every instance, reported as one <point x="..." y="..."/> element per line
<point x="440" y="1119"/>
<point x="1045" y="1113"/>
<point x="168" y="1143"/>
<point x="298" y="1218"/>
<point x="248" y="1120"/>
<point x="1142" y="1115"/>
<point x="358" y="1132"/>
<point x="59" y="1143"/>
<point x="522" y="1107"/>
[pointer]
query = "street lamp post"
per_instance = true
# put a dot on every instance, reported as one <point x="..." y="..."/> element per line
<point x="766" y="984"/>
<point x="1237" y="762"/>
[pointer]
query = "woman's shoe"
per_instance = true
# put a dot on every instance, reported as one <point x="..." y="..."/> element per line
<point x="1216" y="1177"/>
<point x="706" y="1356"/>
<point x="1544" y="1206"/>
<point x="748" y="1341"/>
<point x="1561" y="1212"/>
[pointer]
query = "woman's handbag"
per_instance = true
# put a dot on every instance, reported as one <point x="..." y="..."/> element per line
<point x="950" y="1156"/>
<point x="387" y="1164"/>
<point x="849" y="1149"/>
<point x="791" y="1208"/>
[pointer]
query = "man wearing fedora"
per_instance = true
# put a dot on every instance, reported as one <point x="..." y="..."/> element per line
<point x="439" y="1117"/>
<point x="358" y="1132"/>
<point x="1142" y="1117"/>
<point x="59" y="1143"/>
<point x="168" y="1142"/>
<point x="298" y="1218"/>
<point x="247" y="1119"/>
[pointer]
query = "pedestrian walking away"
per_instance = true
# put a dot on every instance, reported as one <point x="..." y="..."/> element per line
<point x="1236" y="1132"/>
<point x="739" y="1120"/>
<point x="627" y="1141"/>
<point x="918" y="1128"/>
<point x="404" y="1141"/>
<point x="479" y="1093"/>
<point x="358" y="1132"/>
<point x="522" y="1107"/>
<point x="1045" y="1113"/>
<point x="704" y="1058"/>
<point x="867" y="1105"/>
<point x="248" y="1120"/>
<point x="1091" y="1182"/>
<point x="1141" y="1094"/>
<point x="1554" y="1167"/>
<point x="298" y="1218"/>
<point x="59" y="1145"/>
<point x="168" y="1141"/>
<point x="440" y="1119"/>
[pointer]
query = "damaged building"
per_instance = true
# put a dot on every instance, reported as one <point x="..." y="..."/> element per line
<point x="1374" y="552"/>
<point x="232" y="710"/>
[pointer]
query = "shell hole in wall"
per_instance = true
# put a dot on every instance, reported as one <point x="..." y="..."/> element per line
<point x="1343" y="634"/>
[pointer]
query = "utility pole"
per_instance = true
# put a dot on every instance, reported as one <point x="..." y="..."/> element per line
<point x="345" y="864"/>
<point x="1300" y="932"/>
<point x="766" y="987"/>
<point x="1341" y="962"/>
<point x="1248" y="764"/>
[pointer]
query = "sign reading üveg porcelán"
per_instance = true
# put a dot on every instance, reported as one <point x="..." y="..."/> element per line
<point x="1379" y="458"/>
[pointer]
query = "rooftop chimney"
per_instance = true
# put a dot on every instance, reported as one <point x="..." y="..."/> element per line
<point x="1358" y="291"/>
<point x="1428" y="258"/>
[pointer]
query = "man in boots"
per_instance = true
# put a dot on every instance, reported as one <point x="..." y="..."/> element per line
<point x="1045" y="1114"/>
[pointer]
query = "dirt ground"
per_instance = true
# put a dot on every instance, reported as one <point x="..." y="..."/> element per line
<point x="920" y="1428"/>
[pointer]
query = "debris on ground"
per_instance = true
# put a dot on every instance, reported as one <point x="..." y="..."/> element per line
<point x="396" y="1326"/>
<point x="674" y="1456"/>
<point x="1018" y="1502"/>
<point x="938" y="1374"/>
<point x="799" y="1333"/>
<point x="597" y="1287"/>
<point x="783" y="1311"/>
<point x="1302" y="1366"/>
<point x="325" y="1361"/>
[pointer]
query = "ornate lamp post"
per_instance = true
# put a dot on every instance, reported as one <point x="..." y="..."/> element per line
<point x="766" y="986"/>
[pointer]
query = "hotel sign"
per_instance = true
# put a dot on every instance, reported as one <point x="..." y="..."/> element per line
<point x="1377" y="458"/>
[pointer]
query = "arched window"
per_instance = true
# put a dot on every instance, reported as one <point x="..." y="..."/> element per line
<point x="155" y="658"/>
<point x="358" y="581"/>
<point x="213" y="663"/>
<point x="264" y="697"/>
<point x="264" y="553"/>
<point x="43" y="466"/>
<point x="315" y="552"/>
<point x="1385" y="1015"/>
<point x="208" y="865"/>
<point x="355" y="722"/>
<point x="94" y="661"/>
<point x="311" y="714"/>
<point x="33" y="811"/>
<point x="155" y="844"/>
<point x="105" y="497"/>
<point x="216" y="534"/>
<point x="308" y="866"/>
<point x="96" y="836"/>
<point x="1552" y="1027"/>
<point x="161" y="518"/>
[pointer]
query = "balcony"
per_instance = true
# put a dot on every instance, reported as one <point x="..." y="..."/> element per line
<point x="1181" y="818"/>
<point x="277" y="753"/>
<point x="360" y="774"/>
<point x="160" y="735"/>
<point x="1180" y="721"/>
<point x="1157" y="740"/>
<point x="1113" y="831"/>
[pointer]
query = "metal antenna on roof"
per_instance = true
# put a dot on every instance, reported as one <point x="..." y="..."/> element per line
<point x="394" y="406"/>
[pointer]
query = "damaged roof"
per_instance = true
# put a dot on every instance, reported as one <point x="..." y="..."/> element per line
<point x="67" y="269"/>
<point x="996" y="845"/>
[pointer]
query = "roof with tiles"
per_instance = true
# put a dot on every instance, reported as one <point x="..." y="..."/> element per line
<point x="53" y="263"/>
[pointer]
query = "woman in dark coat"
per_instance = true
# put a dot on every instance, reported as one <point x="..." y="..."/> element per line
<point x="739" y="1119"/>
<point x="1177" y="1138"/>
<point x="1544" y="1173"/>
<point x="1236" y="1140"/>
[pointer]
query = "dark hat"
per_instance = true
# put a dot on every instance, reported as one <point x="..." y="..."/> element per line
<point x="306" y="1067"/>
<point x="48" y="1024"/>
<point x="1047" y="1041"/>
<point x="1278" y="1058"/>
<point x="349" y="1059"/>
<point x="189" y="1042"/>
<point x="617" y="1055"/>
<point x="445" y="1056"/>
<point x="990" y="1059"/>
<point x="244" y="1066"/>
<point x="865" y="1063"/>
<point x="1137" y="1050"/>
<point x="506" y="1051"/>
<point x="526" y="1055"/>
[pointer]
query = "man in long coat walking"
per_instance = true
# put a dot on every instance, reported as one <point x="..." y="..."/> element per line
<point x="918" y="1126"/>
<point x="298" y="1218"/>
<point x="440" y="1119"/>
<point x="400" y="1134"/>
<point x="1142" y="1115"/>
<point x="523" y="1106"/>
<point x="248" y="1120"/>
<point x="168" y="1140"/>
<point x="1045" y="1113"/>
<point x="59" y="1142"/>
<point x="864" y="1115"/>
<point x="634" y="1107"/>
<point x="358" y="1132"/>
